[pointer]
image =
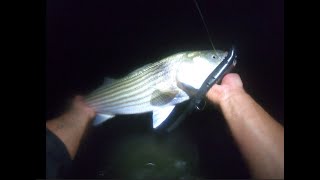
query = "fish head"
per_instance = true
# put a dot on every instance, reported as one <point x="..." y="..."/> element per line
<point x="196" y="66"/>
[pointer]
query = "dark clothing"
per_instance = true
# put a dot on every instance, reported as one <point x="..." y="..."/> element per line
<point x="58" y="160"/>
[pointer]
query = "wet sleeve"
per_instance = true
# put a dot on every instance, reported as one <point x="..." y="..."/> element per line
<point x="58" y="160"/>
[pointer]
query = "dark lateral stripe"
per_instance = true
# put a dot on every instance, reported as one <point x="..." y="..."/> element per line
<point x="134" y="106"/>
<point x="135" y="97"/>
<point x="128" y="84"/>
<point x="129" y="79"/>
<point x="127" y="90"/>
<point x="125" y="96"/>
<point x="150" y="81"/>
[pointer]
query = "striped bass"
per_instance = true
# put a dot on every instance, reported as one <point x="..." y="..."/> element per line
<point x="155" y="87"/>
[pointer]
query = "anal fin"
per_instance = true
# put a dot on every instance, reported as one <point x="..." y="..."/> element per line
<point x="161" y="114"/>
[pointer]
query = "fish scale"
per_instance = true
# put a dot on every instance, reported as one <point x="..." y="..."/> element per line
<point x="156" y="87"/>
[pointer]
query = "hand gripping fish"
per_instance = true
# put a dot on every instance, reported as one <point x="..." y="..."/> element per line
<point x="158" y="87"/>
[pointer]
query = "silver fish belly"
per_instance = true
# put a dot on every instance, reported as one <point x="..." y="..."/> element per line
<point x="156" y="87"/>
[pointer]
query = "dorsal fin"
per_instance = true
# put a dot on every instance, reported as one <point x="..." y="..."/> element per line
<point x="108" y="81"/>
<point x="139" y="69"/>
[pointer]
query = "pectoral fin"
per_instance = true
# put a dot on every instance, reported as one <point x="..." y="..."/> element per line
<point x="161" y="98"/>
<point x="100" y="118"/>
<point x="161" y="114"/>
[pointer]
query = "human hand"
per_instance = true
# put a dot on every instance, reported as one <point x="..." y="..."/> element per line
<point x="71" y="125"/>
<point x="231" y="85"/>
<point x="80" y="110"/>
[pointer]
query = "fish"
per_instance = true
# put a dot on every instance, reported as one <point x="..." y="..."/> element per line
<point x="156" y="87"/>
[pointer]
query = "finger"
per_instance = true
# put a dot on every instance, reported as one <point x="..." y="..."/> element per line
<point x="78" y="98"/>
<point x="232" y="79"/>
<point x="214" y="93"/>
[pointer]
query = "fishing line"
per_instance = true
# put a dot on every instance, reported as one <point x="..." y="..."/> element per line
<point x="205" y="25"/>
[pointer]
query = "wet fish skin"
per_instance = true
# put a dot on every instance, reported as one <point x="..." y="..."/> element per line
<point x="155" y="87"/>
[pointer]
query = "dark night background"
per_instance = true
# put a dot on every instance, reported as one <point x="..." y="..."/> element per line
<point x="90" y="40"/>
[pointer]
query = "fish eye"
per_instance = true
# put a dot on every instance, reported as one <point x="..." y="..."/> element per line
<point x="213" y="56"/>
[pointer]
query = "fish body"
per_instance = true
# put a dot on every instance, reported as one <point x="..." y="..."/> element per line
<point x="156" y="87"/>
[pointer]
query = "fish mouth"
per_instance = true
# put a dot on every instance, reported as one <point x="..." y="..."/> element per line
<point x="195" y="102"/>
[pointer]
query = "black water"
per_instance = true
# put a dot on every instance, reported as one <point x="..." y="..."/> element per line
<point x="88" y="40"/>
